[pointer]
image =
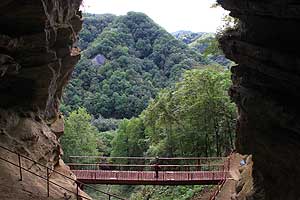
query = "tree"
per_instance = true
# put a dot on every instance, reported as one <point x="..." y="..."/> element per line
<point x="140" y="59"/>
<point x="196" y="118"/>
<point x="80" y="137"/>
<point x="130" y="139"/>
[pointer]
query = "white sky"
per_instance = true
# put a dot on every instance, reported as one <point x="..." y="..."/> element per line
<point x="173" y="15"/>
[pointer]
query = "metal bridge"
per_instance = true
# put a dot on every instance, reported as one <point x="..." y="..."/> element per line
<point x="150" y="170"/>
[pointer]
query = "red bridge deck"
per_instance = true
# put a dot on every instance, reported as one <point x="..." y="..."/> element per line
<point x="148" y="177"/>
<point x="142" y="170"/>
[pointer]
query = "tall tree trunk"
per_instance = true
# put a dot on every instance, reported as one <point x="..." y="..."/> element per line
<point x="230" y="134"/>
<point x="206" y="144"/>
<point x="216" y="127"/>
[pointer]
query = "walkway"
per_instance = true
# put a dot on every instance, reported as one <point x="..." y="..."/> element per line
<point x="172" y="171"/>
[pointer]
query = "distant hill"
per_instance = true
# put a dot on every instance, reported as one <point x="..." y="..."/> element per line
<point x="206" y="44"/>
<point x="126" y="60"/>
<point x="93" y="25"/>
<point x="187" y="36"/>
<point x="202" y="42"/>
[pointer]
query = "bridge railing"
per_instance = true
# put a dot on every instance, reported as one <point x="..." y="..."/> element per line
<point x="222" y="182"/>
<point x="144" y="160"/>
<point x="21" y="159"/>
<point x="148" y="163"/>
<point x="133" y="167"/>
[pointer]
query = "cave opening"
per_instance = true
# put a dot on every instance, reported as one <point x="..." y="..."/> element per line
<point x="126" y="59"/>
<point x="36" y="62"/>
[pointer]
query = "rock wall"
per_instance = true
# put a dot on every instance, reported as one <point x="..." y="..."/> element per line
<point x="36" y="40"/>
<point x="36" y="60"/>
<point x="266" y="83"/>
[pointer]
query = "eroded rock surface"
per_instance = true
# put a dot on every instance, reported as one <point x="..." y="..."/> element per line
<point x="36" y="40"/>
<point x="266" y="85"/>
<point x="37" y="57"/>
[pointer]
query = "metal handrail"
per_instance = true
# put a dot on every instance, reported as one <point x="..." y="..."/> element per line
<point x="133" y="165"/>
<point x="152" y="158"/>
<point x="145" y="167"/>
<point x="19" y="165"/>
<point x="222" y="182"/>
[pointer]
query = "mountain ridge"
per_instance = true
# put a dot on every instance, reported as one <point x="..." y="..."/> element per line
<point x="126" y="60"/>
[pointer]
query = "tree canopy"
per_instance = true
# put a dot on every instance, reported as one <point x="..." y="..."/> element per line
<point x="124" y="64"/>
<point x="196" y="118"/>
<point x="141" y="91"/>
<point x="80" y="137"/>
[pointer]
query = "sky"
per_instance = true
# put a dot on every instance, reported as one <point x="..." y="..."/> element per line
<point x="173" y="15"/>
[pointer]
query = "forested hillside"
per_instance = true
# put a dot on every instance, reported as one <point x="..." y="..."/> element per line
<point x="126" y="61"/>
<point x="206" y="44"/>
<point x="195" y="118"/>
<point x="93" y="25"/>
<point x="187" y="36"/>
<point x="140" y="91"/>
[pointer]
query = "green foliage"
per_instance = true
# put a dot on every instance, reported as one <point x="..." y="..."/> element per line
<point x="187" y="36"/>
<point x="208" y="45"/>
<point x="130" y="139"/>
<point x="104" y="142"/>
<point x="165" y="192"/>
<point x="174" y="106"/>
<point x="212" y="46"/>
<point x="104" y="124"/>
<point x="123" y="191"/>
<point x="80" y="137"/>
<point x="195" y="118"/>
<point x="92" y="26"/>
<point x="140" y="59"/>
<point x="228" y="24"/>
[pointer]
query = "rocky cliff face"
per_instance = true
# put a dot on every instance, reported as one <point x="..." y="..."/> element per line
<point x="266" y="91"/>
<point x="36" y="59"/>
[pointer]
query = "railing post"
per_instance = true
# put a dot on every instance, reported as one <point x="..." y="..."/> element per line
<point x="109" y="197"/>
<point x="224" y="172"/>
<point x="228" y="166"/>
<point x="20" y="167"/>
<point x="77" y="190"/>
<point x="229" y="163"/>
<point x="48" y="186"/>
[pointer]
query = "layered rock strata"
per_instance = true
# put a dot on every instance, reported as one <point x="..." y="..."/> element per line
<point x="266" y="83"/>
<point x="37" y="57"/>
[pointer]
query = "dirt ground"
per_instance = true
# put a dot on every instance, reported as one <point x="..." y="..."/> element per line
<point x="229" y="187"/>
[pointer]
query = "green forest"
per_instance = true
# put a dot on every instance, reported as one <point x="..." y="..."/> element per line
<point x="141" y="91"/>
